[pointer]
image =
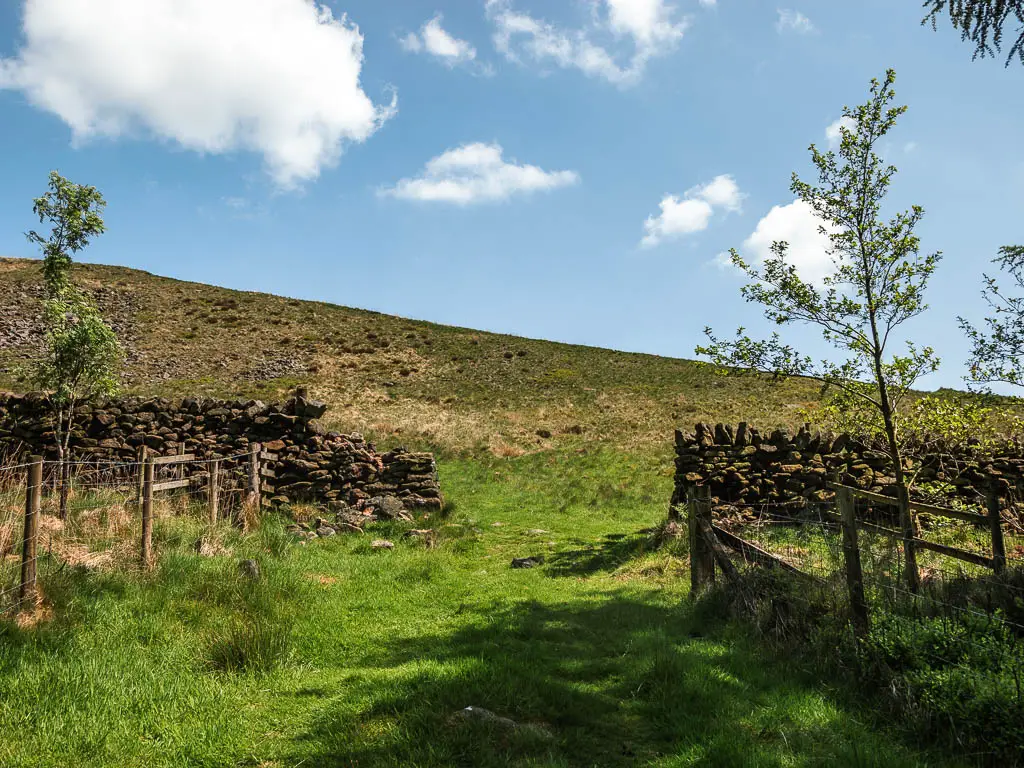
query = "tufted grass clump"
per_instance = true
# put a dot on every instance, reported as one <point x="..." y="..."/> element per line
<point x="252" y="644"/>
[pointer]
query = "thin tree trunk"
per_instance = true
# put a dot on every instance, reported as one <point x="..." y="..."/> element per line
<point x="907" y="521"/>
<point x="62" y="475"/>
<point x="63" y="435"/>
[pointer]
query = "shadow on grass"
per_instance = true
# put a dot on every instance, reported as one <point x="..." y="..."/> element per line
<point x="616" y="681"/>
<point x="613" y="551"/>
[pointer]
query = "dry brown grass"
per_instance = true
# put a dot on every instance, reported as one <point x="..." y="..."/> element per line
<point x="321" y="579"/>
<point x="10" y="535"/>
<point x="504" y="450"/>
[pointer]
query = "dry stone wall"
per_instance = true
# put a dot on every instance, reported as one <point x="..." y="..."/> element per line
<point x="744" y="466"/>
<point x="313" y="465"/>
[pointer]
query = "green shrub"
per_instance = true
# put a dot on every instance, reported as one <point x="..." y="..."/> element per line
<point x="957" y="682"/>
<point x="953" y="680"/>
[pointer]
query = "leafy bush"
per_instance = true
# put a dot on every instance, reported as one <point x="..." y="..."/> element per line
<point x="958" y="683"/>
<point x="936" y="422"/>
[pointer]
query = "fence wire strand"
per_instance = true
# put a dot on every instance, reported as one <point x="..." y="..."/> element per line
<point x="101" y="524"/>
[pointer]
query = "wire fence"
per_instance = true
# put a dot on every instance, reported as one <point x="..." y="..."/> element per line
<point x="953" y="647"/>
<point x="810" y="538"/>
<point x="91" y="514"/>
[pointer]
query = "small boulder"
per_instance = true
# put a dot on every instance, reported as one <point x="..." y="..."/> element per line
<point x="527" y="562"/>
<point x="324" y="531"/>
<point x="485" y="717"/>
<point x="382" y="544"/>
<point x="250" y="569"/>
<point x="388" y="508"/>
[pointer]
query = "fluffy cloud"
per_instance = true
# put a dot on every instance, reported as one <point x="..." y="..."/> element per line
<point x="833" y="133"/>
<point x="648" y="24"/>
<point x="793" y="21"/>
<point x="693" y="212"/>
<point x="433" y="39"/>
<point x="276" y="77"/>
<point x="477" y="173"/>
<point x="797" y="225"/>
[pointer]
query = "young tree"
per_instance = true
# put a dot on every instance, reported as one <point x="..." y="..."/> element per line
<point x="82" y="354"/>
<point x="997" y="352"/>
<point x="982" y="22"/>
<point x="876" y="285"/>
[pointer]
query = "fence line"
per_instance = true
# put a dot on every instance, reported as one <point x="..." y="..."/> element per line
<point x="111" y="508"/>
<point x="861" y="570"/>
<point x="849" y="528"/>
<point x="957" y="634"/>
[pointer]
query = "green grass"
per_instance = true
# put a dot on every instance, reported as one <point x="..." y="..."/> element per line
<point x="341" y="654"/>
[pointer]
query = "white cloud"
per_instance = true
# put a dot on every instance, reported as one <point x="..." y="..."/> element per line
<point x="693" y="212"/>
<point x="721" y="192"/>
<point x="709" y="3"/>
<point x="794" y="21"/>
<point x="833" y="133"/>
<point x="648" y="24"/>
<point x="433" y="39"/>
<point x="477" y="173"/>
<point x="910" y="146"/>
<point x="275" y="77"/>
<point x="799" y="226"/>
<point x="411" y="42"/>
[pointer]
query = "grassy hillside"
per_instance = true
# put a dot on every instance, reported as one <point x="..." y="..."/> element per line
<point x="396" y="379"/>
<point x="355" y="655"/>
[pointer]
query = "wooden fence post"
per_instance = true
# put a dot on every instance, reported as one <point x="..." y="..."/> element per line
<point x="254" y="501"/>
<point x="147" y="512"/>
<point x="33" y="499"/>
<point x="851" y="554"/>
<point x="142" y="461"/>
<point x="729" y="568"/>
<point x="702" y="557"/>
<point x="909" y="534"/>
<point x="996" y="524"/>
<point x="213" y="491"/>
<point x="691" y="537"/>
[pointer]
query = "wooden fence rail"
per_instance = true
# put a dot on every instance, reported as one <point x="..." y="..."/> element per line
<point x="144" y="491"/>
<point x="707" y="539"/>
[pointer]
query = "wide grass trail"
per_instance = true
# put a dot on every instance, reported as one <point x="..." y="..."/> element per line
<point x="341" y="654"/>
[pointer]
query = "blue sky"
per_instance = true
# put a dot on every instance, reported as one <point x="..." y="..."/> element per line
<point x="261" y="145"/>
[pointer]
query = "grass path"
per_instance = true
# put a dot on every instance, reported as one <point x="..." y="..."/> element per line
<point x="599" y="646"/>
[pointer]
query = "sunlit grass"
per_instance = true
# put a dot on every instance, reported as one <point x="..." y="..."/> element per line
<point x="342" y="654"/>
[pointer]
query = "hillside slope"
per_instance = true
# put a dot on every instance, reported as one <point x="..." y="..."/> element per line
<point x="396" y="379"/>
